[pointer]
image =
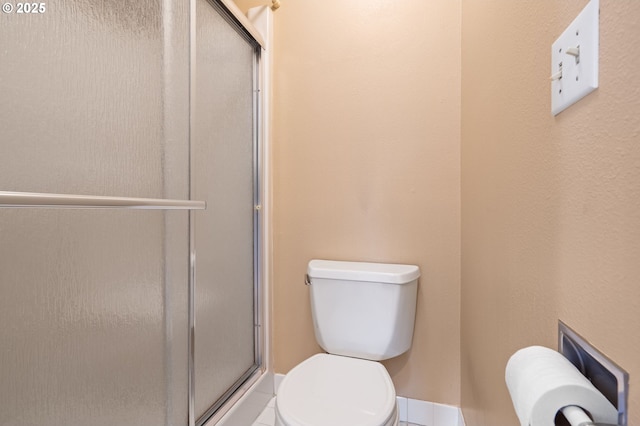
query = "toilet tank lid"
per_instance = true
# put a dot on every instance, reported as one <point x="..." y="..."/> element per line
<point x="390" y="273"/>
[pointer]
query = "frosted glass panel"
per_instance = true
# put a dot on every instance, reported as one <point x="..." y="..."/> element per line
<point x="223" y="175"/>
<point x="85" y="80"/>
<point x="83" y="318"/>
<point x="94" y="99"/>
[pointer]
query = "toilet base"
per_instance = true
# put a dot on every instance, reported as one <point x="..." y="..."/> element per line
<point x="394" y="421"/>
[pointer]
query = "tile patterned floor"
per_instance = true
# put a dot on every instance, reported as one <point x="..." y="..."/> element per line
<point x="268" y="416"/>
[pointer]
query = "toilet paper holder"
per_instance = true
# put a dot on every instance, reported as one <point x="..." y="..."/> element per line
<point x="608" y="377"/>
<point x="576" y="416"/>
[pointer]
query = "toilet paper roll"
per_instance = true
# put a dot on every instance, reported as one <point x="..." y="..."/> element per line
<point x="541" y="382"/>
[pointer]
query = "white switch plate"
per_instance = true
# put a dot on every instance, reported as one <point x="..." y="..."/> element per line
<point x="579" y="74"/>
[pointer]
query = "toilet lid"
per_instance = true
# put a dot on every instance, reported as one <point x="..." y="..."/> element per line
<point x="336" y="390"/>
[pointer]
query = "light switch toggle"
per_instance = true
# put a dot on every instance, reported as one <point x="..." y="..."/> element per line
<point x="558" y="75"/>
<point x="574" y="51"/>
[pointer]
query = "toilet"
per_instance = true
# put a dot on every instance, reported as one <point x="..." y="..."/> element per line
<point x="362" y="313"/>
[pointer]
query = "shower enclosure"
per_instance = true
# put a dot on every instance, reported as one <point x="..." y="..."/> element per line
<point x="125" y="300"/>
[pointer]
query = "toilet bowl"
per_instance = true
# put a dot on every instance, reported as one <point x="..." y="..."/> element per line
<point x="336" y="390"/>
<point x="362" y="313"/>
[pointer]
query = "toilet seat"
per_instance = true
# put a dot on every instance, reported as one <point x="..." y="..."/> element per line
<point x="333" y="390"/>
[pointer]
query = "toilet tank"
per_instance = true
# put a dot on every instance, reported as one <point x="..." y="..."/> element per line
<point x="363" y="310"/>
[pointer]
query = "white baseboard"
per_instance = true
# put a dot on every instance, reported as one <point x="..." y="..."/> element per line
<point x="277" y="379"/>
<point x="427" y="413"/>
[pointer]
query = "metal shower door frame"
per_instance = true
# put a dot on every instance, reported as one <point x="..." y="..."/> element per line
<point x="220" y="407"/>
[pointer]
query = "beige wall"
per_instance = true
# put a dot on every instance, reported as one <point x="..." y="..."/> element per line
<point x="550" y="205"/>
<point x="367" y="123"/>
<point x="366" y="167"/>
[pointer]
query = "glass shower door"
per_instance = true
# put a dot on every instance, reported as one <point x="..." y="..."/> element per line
<point x="94" y="100"/>
<point x="223" y="172"/>
<point x="112" y="99"/>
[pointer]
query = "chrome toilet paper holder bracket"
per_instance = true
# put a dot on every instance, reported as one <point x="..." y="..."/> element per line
<point x="576" y="416"/>
<point x="607" y="376"/>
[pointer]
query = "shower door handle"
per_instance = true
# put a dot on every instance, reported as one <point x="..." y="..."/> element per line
<point x="10" y="199"/>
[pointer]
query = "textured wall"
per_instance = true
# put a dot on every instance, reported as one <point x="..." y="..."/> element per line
<point x="366" y="167"/>
<point x="550" y="205"/>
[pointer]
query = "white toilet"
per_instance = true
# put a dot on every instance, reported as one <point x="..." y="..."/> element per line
<point x="362" y="313"/>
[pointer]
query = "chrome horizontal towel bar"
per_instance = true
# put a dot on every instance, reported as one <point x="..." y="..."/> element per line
<point x="10" y="199"/>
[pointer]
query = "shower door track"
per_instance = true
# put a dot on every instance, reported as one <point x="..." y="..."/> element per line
<point x="230" y="397"/>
